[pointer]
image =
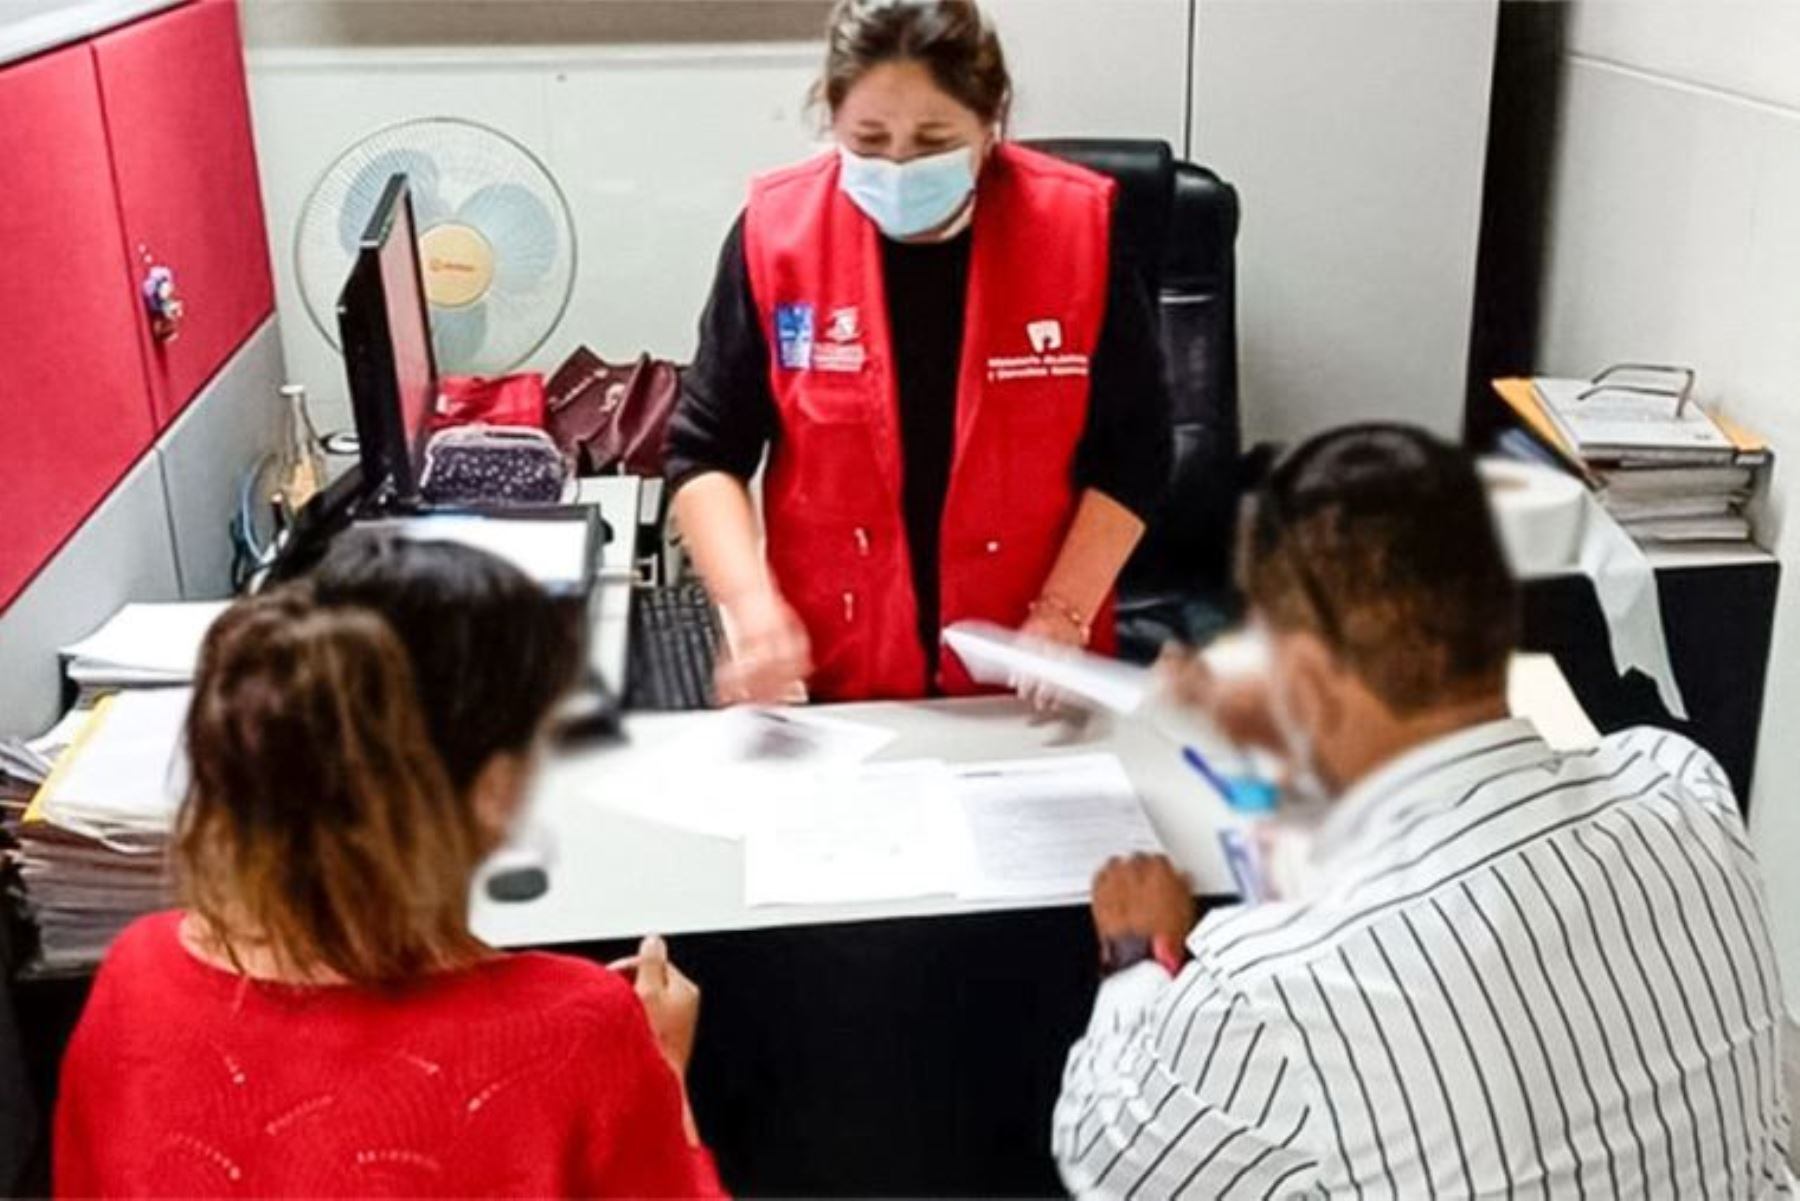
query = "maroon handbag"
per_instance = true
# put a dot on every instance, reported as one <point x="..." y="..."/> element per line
<point x="612" y="418"/>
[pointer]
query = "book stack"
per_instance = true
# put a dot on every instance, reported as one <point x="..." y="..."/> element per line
<point x="91" y="848"/>
<point x="1670" y="473"/>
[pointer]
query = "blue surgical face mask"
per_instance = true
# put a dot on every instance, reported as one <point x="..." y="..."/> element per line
<point x="910" y="198"/>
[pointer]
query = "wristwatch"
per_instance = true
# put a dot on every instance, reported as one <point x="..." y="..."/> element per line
<point x="1121" y="951"/>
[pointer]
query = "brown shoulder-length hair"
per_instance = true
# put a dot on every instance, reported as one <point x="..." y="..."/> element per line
<point x="319" y="820"/>
<point x="951" y="39"/>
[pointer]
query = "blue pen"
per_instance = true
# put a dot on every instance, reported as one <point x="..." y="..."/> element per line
<point x="1246" y="795"/>
<point x="1198" y="762"/>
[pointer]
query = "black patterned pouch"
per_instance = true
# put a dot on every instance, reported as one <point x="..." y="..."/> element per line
<point x="493" y="464"/>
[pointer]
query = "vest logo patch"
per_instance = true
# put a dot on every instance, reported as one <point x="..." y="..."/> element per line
<point x="1046" y="360"/>
<point x="846" y="325"/>
<point x="842" y="349"/>
<point x="794" y="336"/>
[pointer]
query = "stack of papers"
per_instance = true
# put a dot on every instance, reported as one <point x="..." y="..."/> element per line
<point x="91" y="847"/>
<point x="124" y="774"/>
<point x="1031" y="830"/>
<point x="22" y="771"/>
<point x="144" y="645"/>
<point x="1000" y="657"/>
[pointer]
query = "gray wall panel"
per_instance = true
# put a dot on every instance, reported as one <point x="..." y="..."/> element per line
<point x="124" y="552"/>
<point x="224" y="432"/>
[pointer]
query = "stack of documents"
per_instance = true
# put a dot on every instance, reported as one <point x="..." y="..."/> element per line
<point x="92" y="845"/>
<point x="1001" y="657"/>
<point x="1668" y="473"/>
<point x="22" y="771"/>
<point x="143" y="645"/>
<point x="1699" y="503"/>
<point x="103" y="786"/>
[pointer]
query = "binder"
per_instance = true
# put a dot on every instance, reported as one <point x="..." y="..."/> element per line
<point x="1522" y="396"/>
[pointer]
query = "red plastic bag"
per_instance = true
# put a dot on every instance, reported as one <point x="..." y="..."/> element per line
<point x="503" y="400"/>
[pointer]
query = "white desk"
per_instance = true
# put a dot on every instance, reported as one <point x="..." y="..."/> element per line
<point x="617" y="875"/>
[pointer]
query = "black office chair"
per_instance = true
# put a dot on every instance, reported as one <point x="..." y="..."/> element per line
<point x="1180" y="222"/>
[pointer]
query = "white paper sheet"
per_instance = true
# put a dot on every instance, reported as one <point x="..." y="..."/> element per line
<point x="128" y="773"/>
<point x="782" y="737"/>
<point x="724" y="768"/>
<point x="1041" y="828"/>
<point x="1001" y="657"/>
<point x="701" y="798"/>
<point x="883" y="832"/>
<point x="145" y="643"/>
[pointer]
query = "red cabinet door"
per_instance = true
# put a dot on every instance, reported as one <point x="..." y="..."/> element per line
<point x="178" y="119"/>
<point x="74" y="407"/>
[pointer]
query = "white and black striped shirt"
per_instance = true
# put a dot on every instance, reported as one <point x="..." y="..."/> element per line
<point x="1520" y="972"/>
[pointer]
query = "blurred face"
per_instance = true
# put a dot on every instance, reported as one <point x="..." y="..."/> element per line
<point x="1321" y="709"/>
<point x="500" y="789"/>
<point x="897" y="112"/>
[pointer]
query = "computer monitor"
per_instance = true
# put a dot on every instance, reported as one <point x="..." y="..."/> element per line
<point x="386" y="331"/>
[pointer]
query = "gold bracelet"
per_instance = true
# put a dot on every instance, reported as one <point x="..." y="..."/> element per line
<point x="1064" y="610"/>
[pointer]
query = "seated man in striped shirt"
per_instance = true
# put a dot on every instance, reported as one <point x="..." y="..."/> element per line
<point x="1504" y="970"/>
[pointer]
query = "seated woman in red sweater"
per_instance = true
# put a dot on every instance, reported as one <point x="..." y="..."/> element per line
<point x="319" y="1019"/>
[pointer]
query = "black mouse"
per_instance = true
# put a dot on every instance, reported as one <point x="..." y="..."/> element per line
<point x="518" y="884"/>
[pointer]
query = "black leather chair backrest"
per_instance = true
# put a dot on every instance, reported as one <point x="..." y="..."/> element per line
<point x="1198" y="309"/>
<point x="1145" y="171"/>
<point x="1180" y="223"/>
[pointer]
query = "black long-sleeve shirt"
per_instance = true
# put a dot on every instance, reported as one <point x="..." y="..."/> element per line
<point x="727" y="415"/>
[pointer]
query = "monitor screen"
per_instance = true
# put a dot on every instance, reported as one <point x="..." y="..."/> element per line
<point x="386" y="334"/>
<point x="409" y="326"/>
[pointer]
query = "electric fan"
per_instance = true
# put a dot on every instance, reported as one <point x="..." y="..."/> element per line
<point x="496" y="241"/>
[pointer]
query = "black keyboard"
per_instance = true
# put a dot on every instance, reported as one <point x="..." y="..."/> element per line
<point x="675" y="640"/>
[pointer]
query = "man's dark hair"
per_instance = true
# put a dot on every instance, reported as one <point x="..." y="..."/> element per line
<point x="490" y="650"/>
<point x="1379" y="539"/>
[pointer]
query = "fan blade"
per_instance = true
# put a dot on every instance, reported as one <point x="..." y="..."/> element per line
<point x="460" y="336"/>
<point x="516" y="222"/>
<point x="365" y="188"/>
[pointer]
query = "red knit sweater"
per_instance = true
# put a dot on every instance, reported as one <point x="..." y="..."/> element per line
<point x="528" y="1075"/>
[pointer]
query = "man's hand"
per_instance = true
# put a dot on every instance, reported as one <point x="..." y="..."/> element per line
<point x="671" y="1000"/>
<point x="1233" y="696"/>
<point x="1143" y="897"/>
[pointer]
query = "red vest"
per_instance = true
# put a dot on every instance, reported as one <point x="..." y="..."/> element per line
<point x="832" y="494"/>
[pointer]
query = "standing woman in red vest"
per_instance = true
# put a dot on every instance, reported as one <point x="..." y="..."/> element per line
<point x="934" y="335"/>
